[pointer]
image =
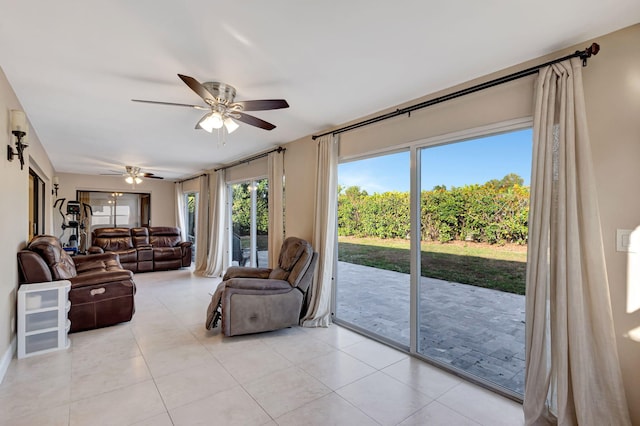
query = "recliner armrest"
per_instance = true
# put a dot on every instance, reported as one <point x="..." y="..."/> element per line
<point x="246" y="272"/>
<point x="185" y="244"/>
<point x="258" y="284"/>
<point x="95" y="250"/>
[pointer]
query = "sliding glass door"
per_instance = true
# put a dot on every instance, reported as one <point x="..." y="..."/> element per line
<point x="471" y="203"/>
<point x="473" y="256"/>
<point x="249" y="205"/>
<point x="372" y="291"/>
<point x="191" y="201"/>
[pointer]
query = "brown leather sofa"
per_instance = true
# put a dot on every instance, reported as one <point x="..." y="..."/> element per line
<point x="156" y="248"/>
<point x="101" y="290"/>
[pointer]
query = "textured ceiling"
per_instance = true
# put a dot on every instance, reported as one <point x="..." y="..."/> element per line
<point x="76" y="65"/>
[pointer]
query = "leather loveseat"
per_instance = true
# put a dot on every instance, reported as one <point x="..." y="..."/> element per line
<point x="101" y="290"/>
<point x="156" y="248"/>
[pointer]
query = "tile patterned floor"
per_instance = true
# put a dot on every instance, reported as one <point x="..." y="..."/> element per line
<point x="164" y="368"/>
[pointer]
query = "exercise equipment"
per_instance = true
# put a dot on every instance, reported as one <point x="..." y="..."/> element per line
<point x="76" y="222"/>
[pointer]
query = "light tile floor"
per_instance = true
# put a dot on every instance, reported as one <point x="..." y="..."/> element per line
<point x="164" y="368"/>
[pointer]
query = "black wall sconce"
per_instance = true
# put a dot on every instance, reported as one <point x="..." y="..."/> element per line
<point x="56" y="185"/>
<point x="18" y="123"/>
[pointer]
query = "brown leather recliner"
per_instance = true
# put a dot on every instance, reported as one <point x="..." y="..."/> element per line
<point x="117" y="240"/>
<point x="169" y="251"/>
<point x="102" y="292"/>
<point x="156" y="248"/>
<point x="252" y="300"/>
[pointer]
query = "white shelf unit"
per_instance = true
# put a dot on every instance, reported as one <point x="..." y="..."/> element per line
<point x="43" y="309"/>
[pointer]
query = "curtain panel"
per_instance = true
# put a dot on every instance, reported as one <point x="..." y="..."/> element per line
<point x="214" y="266"/>
<point x="180" y="209"/>
<point x="572" y="369"/>
<point x="324" y="232"/>
<point x="276" y="205"/>
<point x="202" y="223"/>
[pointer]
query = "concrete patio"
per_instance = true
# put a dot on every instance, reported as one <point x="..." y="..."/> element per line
<point x="473" y="329"/>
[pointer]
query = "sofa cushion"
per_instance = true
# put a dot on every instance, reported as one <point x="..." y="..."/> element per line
<point x="112" y="239"/>
<point x="92" y="265"/>
<point x="292" y="249"/>
<point x="164" y="236"/>
<point x="166" y="253"/>
<point x="51" y="251"/>
<point x="140" y="237"/>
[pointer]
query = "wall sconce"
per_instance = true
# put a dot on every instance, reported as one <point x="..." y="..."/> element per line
<point x="56" y="185"/>
<point x="18" y="122"/>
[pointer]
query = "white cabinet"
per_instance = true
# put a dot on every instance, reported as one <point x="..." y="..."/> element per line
<point x="42" y="317"/>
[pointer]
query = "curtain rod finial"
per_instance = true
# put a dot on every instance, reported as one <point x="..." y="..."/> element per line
<point x="588" y="52"/>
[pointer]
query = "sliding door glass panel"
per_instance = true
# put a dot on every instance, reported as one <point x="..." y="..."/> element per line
<point x="474" y="205"/>
<point x="372" y="289"/>
<point x="190" y="214"/>
<point x="249" y="223"/>
<point x="262" y="222"/>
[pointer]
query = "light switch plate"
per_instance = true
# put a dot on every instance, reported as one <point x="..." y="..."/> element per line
<point x="626" y="240"/>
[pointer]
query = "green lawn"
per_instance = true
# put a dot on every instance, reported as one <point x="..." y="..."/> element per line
<point x="496" y="267"/>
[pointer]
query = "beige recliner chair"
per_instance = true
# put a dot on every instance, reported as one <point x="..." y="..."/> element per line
<point x="252" y="300"/>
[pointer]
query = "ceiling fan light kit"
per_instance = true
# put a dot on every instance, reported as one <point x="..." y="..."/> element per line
<point x="223" y="110"/>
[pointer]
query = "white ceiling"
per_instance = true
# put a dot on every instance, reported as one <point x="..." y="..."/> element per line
<point x="76" y="65"/>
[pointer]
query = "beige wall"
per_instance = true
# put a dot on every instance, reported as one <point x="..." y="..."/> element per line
<point x="14" y="215"/>
<point x="612" y="92"/>
<point x="163" y="205"/>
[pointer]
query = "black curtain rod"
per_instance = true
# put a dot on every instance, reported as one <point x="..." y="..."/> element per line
<point x="192" y="178"/>
<point x="248" y="160"/>
<point x="583" y="54"/>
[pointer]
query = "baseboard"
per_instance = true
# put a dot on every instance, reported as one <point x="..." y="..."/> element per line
<point x="6" y="358"/>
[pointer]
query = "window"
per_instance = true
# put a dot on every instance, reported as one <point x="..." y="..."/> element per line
<point x="115" y="209"/>
<point x="249" y="239"/>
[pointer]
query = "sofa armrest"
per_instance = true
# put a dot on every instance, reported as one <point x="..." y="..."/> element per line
<point x="246" y="272"/>
<point x="95" y="250"/>
<point x="185" y="244"/>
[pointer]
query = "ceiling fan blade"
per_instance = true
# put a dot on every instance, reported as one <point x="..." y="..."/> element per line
<point x="197" y="87"/>
<point x="149" y="175"/>
<point x="263" y="104"/>
<point x="171" y="103"/>
<point x="254" y="121"/>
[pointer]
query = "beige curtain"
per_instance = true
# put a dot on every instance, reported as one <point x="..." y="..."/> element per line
<point x="276" y="205"/>
<point x="324" y="232"/>
<point x="215" y="264"/>
<point x="572" y="371"/>
<point x="180" y="208"/>
<point x="202" y="223"/>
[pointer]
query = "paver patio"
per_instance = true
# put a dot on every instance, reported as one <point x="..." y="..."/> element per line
<point x="473" y="329"/>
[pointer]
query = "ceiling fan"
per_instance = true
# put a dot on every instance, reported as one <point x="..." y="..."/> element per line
<point x="222" y="107"/>
<point x="133" y="174"/>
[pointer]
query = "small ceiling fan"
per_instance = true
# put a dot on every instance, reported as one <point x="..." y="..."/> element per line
<point x="133" y="175"/>
<point x="222" y="107"/>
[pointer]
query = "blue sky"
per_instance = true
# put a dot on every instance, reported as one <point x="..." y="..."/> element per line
<point x="457" y="164"/>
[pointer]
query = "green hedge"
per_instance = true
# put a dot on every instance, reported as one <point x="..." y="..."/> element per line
<point x="494" y="213"/>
